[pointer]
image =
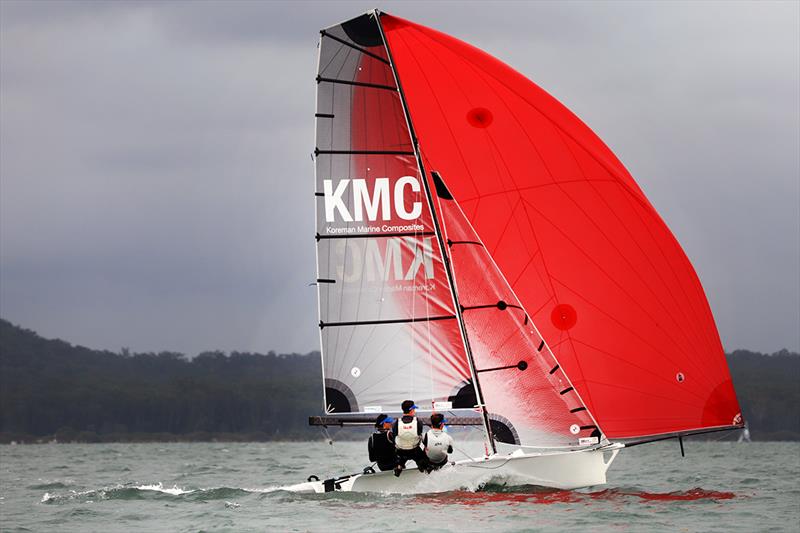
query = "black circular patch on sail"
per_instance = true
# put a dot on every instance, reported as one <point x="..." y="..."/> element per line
<point x="502" y="430"/>
<point x="339" y="397"/>
<point x="502" y="433"/>
<point x="337" y="401"/>
<point x="363" y="30"/>
<point x="465" y="397"/>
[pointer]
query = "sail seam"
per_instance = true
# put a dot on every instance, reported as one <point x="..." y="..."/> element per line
<point x="617" y="321"/>
<point x="676" y="300"/>
<point x="667" y="309"/>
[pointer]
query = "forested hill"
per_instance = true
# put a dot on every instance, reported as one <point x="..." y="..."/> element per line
<point x="768" y="388"/>
<point x="52" y="389"/>
<point x="49" y="387"/>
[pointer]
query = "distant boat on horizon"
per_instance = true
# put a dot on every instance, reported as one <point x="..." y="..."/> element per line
<point x="744" y="436"/>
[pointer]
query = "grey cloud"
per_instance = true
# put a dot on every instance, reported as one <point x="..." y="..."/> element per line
<point x="156" y="181"/>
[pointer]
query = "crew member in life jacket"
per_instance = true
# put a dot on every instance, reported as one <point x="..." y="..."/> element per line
<point x="381" y="444"/>
<point x="437" y="443"/>
<point x="407" y="437"/>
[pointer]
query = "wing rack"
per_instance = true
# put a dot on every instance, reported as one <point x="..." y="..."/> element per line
<point x="369" y="420"/>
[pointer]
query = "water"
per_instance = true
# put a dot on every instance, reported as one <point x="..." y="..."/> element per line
<point x="231" y="487"/>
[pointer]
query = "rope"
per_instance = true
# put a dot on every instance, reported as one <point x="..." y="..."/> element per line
<point x="462" y="452"/>
<point x="336" y="452"/>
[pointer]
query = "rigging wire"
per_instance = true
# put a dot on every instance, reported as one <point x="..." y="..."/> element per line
<point x="336" y="452"/>
<point x="465" y="454"/>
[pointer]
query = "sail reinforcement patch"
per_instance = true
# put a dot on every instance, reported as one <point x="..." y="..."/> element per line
<point x="363" y="30"/>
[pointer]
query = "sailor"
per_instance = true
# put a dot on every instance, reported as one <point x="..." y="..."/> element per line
<point x="381" y="444"/>
<point x="407" y="437"/>
<point x="437" y="443"/>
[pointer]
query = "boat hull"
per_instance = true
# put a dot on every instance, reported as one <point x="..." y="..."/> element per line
<point x="560" y="470"/>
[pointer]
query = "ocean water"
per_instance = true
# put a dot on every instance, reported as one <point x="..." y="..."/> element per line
<point x="718" y="486"/>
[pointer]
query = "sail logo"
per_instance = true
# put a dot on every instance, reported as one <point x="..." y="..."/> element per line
<point x="373" y="204"/>
<point x="398" y="259"/>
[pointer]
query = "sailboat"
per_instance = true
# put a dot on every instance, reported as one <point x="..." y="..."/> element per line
<point x="481" y="251"/>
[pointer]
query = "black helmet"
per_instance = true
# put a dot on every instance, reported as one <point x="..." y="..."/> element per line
<point x="379" y="420"/>
<point x="437" y="419"/>
<point x="407" y="406"/>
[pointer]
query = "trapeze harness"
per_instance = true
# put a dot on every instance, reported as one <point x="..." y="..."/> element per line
<point x="407" y="437"/>
<point x="437" y="445"/>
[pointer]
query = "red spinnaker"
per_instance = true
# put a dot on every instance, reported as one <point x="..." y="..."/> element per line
<point x="586" y="254"/>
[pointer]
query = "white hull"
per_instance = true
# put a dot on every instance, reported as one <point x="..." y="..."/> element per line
<point x="561" y="470"/>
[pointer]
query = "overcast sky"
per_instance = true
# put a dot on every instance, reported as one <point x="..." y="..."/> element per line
<point x="156" y="181"/>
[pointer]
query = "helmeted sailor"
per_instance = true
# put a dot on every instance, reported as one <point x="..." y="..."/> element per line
<point x="437" y="443"/>
<point x="381" y="444"/>
<point x="407" y="437"/>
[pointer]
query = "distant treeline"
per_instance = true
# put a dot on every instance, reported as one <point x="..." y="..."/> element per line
<point x="768" y="388"/>
<point x="50" y="389"/>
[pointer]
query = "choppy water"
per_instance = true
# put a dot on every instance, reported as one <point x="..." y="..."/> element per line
<point x="719" y="486"/>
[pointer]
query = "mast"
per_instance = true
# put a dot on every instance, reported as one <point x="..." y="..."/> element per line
<point x="440" y="241"/>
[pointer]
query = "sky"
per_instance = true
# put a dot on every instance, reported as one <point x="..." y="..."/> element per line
<point x="156" y="180"/>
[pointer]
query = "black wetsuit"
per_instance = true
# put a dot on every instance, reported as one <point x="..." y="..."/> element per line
<point x="381" y="450"/>
<point x="416" y="454"/>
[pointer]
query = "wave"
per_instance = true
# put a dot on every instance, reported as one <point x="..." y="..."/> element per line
<point x="545" y="496"/>
<point x="694" y="494"/>
<point x="489" y="493"/>
<point x="49" y="486"/>
<point x="152" y="491"/>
